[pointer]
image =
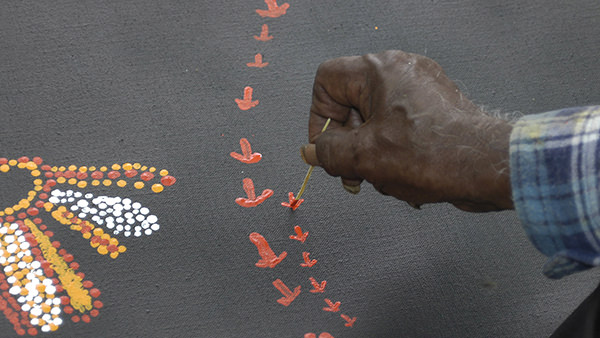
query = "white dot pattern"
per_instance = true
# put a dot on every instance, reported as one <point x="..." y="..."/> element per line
<point x="119" y="215"/>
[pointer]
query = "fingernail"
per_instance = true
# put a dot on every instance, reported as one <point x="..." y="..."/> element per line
<point x="353" y="189"/>
<point x="414" y="205"/>
<point x="309" y="154"/>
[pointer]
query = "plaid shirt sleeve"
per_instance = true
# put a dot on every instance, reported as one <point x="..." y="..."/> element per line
<point x="555" y="168"/>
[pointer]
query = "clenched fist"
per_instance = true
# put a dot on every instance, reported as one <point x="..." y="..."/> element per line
<point x="401" y="124"/>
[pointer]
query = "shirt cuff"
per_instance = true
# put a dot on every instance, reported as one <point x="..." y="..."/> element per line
<point x="555" y="164"/>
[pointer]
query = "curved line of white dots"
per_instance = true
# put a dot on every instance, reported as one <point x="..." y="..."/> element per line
<point x="119" y="215"/>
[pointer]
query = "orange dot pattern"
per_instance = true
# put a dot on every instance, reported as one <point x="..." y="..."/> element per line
<point x="39" y="281"/>
<point x="26" y="283"/>
<point x="103" y="242"/>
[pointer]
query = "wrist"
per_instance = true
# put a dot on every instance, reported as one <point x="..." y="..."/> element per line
<point x="493" y="169"/>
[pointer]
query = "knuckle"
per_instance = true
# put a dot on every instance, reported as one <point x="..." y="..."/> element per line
<point x="324" y="67"/>
<point x="394" y="56"/>
<point x="425" y="64"/>
<point x="340" y="65"/>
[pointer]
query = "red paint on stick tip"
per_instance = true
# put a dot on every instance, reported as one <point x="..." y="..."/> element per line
<point x="247" y="156"/>
<point x="293" y="202"/>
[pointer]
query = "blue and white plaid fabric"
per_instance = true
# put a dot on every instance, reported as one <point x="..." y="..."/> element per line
<point x="555" y="167"/>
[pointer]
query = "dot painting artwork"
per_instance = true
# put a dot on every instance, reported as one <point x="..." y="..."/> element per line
<point x="230" y="241"/>
<point x="40" y="283"/>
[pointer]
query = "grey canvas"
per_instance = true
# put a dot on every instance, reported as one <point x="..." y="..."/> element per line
<point x="101" y="82"/>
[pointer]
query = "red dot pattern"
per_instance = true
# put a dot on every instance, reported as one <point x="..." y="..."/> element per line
<point x="50" y="177"/>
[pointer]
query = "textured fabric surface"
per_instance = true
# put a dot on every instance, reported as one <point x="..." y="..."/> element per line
<point x="554" y="175"/>
<point x="155" y="82"/>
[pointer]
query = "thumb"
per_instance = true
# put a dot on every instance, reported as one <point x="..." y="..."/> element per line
<point x="335" y="151"/>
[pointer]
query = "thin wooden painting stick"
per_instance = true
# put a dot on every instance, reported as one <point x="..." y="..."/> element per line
<point x="310" y="170"/>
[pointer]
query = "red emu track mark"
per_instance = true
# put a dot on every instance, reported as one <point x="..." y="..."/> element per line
<point x="307" y="261"/>
<point x="258" y="62"/>
<point x="349" y="321"/>
<point x="332" y="307"/>
<point x="288" y="295"/>
<point x="268" y="259"/>
<point x="293" y="203"/>
<point x="252" y="199"/>
<point x="246" y="103"/>
<point x="247" y="156"/>
<point x="264" y="34"/>
<point x="318" y="288"/>
<point x="299" y="236"/>
<point x="274" y="11"/>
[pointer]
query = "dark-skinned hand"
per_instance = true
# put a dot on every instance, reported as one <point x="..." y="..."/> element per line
<point x="398" y="122"/>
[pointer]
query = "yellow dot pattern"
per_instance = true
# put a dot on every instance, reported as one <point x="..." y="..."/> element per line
<point x="26" y="278"/>
<point x="81" y="176"/>
<point x="35" y="292"/>
<point x="24" y="203"/>
<point x="157" y="187"/>
<point x="103" y="242"/>
<point x="80" y="298"/>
